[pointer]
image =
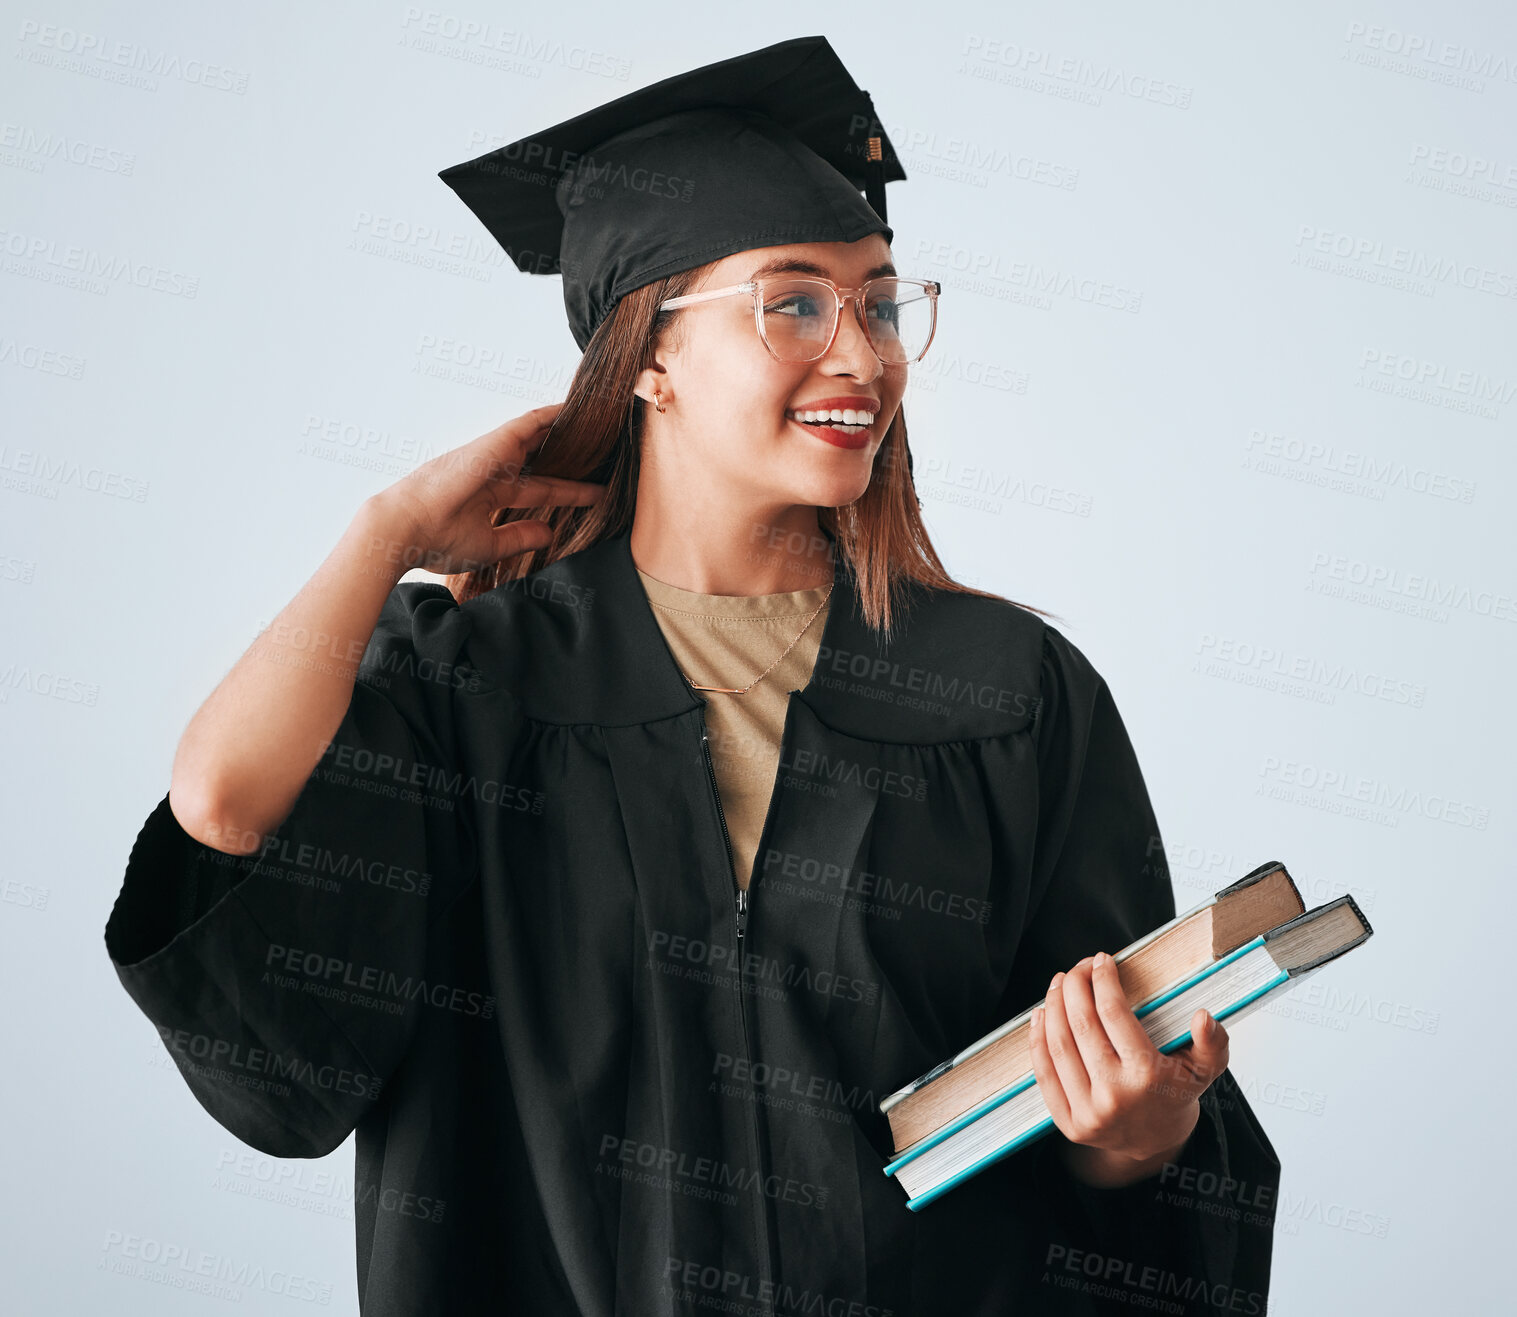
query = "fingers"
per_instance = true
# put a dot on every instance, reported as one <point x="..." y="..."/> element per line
<point x="501" y="453"/>
<point x="522" y="536"/>
<point x="1062" y="1048"/>
<point x="1048" y="1078"/>
<point x="501" y="468"/>
<point x="1098" y="1072"/>
<point x="1127" y="1035"/>
<point x="1209" y="1055"/>
<point x="533" y="492"/>
<point x="508" y="486"/>
<point x="1087" y="1026"/>
<point x="527" y="426"/>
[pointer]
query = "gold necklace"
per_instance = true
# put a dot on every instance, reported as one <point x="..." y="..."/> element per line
<point x="730" y="690"/>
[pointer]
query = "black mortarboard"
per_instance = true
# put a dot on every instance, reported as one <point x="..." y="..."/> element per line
<point x="766" y="148"/>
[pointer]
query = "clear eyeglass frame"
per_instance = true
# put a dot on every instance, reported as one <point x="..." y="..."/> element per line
<point x="755" y="288"/>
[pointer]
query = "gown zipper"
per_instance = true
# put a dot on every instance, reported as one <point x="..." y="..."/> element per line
<point x="740" y="920"/>
<point x="740" y="896"/>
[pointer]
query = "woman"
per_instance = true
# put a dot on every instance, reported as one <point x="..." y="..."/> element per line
<point x="483" y="905"/>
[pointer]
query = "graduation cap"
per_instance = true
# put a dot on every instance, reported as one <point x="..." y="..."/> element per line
<point x="766" y="148"/>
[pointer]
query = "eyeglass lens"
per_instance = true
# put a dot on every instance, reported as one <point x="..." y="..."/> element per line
<point x="799" y="315"/>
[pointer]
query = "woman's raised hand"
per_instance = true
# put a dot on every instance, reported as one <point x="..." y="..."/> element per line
<point x="441" y="514"/>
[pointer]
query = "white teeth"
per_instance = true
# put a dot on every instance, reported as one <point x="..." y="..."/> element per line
<point x="846" y="415"/>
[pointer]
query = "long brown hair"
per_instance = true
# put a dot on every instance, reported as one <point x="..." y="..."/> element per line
<point x="596" y="436"/>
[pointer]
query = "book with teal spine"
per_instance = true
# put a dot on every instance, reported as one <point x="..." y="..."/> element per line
<point x="1169" y="954"/>
<point x="1230" y="988"/>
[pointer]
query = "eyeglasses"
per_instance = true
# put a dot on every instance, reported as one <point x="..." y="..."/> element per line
<point x="798" y="317"/>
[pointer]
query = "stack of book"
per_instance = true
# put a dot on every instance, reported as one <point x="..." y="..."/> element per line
<point x="1230" y="954"/>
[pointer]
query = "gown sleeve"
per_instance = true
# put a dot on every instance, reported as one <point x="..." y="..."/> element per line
<point x="286" y="984"/>
<point x="1100" y="882"/>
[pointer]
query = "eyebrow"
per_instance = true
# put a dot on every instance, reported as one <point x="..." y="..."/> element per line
<point x="790" y="265"/>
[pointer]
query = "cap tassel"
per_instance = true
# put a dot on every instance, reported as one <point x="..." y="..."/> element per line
<point x="874" y="194"/>
<point x="874" y="165"/>
<point x="874" y="180"/>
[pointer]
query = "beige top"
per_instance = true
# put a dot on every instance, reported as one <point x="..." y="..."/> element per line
<point x="727" y="640"/>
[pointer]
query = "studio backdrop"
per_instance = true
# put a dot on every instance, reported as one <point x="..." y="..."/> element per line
<point x="1225" y="380"/>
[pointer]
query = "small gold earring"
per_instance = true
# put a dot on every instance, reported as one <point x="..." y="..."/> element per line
<point x="656" y="403"/>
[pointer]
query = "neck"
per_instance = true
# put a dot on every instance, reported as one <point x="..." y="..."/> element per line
<point x="734" y="551"/>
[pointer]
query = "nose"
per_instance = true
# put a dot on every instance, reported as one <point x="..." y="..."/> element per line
<point x="851" y="346"/>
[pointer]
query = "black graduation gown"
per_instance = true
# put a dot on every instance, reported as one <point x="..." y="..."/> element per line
<point x="497" y="937"/>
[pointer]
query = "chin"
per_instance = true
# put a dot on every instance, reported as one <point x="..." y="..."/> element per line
<point x="828" y="476"/>
<point x="833" y="491"/>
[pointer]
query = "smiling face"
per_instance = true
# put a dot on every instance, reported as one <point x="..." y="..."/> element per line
<point x="729" y="434"/>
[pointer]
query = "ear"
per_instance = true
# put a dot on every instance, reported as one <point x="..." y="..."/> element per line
<point x="651" y="378"/>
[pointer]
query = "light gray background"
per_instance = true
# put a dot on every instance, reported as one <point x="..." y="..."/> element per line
<point x="1235" y="493"/>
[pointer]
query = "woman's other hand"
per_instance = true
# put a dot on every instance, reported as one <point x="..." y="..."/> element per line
<point x="1125" y="1107"/>
<point x="441" y="515"/>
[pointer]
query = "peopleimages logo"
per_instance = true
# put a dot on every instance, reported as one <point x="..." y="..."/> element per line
<point x="261" y="1065"/>
<point x="818" y="765"/>
<point x="700" y="1283"/>
<point x="779" y="1079"/>
<point x="214" y="1275"/>
<point x="95" y="266"/>
<point x="667" y="1166"/>
<point x="957" y="688"/>
<point x="878" y="892"/>
<point x="344" y="980"/>
<point x="674" y="953"/>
